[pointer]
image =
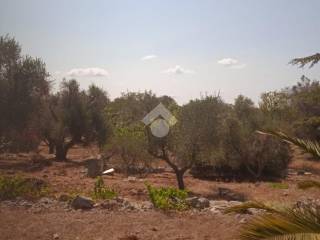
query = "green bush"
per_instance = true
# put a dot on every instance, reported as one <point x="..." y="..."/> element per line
<point x="13" y="187"/>
<point x="168" y="198"/>
<point x="101" y="191"/>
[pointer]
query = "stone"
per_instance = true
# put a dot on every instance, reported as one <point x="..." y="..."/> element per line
<point x="81" y="202"/>
<point x="55" y="236"/>
<point x="110" y="205"/>
<point x="94" y="168"/>
<point x="230" y="195"/>
<point x="218" y="206"/>
<point x="146" y="205"/>
<point x="192" y="201"/>
<point x="132" y="179"/>
<point x="64" y="198"/>
<point x="119" y="199"/>
<point x="243" y="220"/>
<point x="133" y="192"/>
<point x="199" y="203"/>
<point x="45" y="200"/>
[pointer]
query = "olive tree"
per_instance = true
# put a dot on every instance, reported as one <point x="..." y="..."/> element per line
<point x="193" y="138"/>
<point x="24" y="85"/>
<point x="74" y="117"/>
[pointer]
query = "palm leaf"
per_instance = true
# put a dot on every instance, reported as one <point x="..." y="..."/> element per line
<point x="244" y="207"/>
<point x="298" y="223"/>
<point x="313" y="59"/>
<point x="308" y="146"/>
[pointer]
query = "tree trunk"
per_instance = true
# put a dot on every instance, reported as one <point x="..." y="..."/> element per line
<point x="61" y="153"/>
<point x="51" y="148"/>
<point x="179" y="175"/>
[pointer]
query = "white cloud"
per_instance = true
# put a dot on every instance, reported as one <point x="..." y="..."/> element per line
<point x="149" y="57"/>
<point x="88" y="72"/>
<point x="178" y="70"/>
<point x="231" y="63"/>
<point x="228" y="61"/>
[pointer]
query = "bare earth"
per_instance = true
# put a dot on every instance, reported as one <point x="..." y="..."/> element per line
<point x="19" y="223"/>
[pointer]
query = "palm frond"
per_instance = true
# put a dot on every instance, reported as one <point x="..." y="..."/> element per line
<point x="313" y="59"/>
<point x="300" y="222"/>
<point x="297" y="236"/>
<point x="244" y="207"/>
<point x="308" y="146"/>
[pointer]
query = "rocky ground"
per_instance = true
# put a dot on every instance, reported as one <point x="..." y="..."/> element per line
<point x="115" y="219"/>
<point x="131" y="215"/>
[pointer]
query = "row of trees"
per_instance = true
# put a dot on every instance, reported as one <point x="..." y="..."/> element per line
<point x="30" y="113"/>
<point x="209" y="136"/>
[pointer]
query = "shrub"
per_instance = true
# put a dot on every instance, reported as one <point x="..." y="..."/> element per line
<point x="168" y="198"/>
<point x="101" y="191"/>
<point x="13" y="187"/>
<point x="247" y="157"/>
<point x="129" y="143"/>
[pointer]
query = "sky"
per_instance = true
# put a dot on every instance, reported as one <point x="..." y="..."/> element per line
<point x="183" y="48"/>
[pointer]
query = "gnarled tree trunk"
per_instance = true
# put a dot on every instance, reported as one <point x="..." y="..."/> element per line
<point x="62" y="150"/>
<point x="179" y="176"/>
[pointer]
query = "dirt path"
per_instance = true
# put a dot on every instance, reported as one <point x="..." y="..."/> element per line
<point x="17" y="223"/>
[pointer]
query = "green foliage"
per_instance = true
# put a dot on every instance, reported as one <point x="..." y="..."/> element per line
<point x="130" y="144"/>
<point x="194" y="138"/>
<point x="279" y="185"/>
<point x="306" y="145"/>
<point x="242" y="154"/>
<point x="101" y="191"/>
<point x="168" y="198"/>
<point x="299" y="222"/>
<point x="72" y="116"/>
<point x="306" y="184"/>
<point x="24" y="85"/>
<point x="13" y="187"/>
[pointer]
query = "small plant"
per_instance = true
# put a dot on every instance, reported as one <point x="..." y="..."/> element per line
<point x="168" y="198"/>
<point x="276" y="185"/>
<point x="13" y="187"/>
<point x="101" y="191"/>
<point x="308" y="184"/>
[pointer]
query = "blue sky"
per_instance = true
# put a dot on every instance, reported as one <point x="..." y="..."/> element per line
<point x="179" y="48"/>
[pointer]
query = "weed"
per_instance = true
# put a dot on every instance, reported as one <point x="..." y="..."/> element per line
<point x="13" y="187"/>
<point x="279" y="185"/>
<point x="168" y="198"/>
<point x="101" y="191"/>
